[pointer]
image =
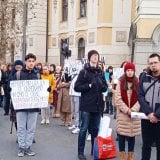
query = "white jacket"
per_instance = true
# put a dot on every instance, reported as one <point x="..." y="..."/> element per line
<point x="72" y="92"/>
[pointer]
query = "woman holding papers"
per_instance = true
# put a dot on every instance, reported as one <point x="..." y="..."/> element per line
<point x="126" y="102"/>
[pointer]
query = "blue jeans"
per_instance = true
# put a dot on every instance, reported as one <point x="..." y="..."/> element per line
<point x="75" y="109"/>
<point x="26" y="127"/>
<point x="92" y="118"/>
<point x="121" y="142"/>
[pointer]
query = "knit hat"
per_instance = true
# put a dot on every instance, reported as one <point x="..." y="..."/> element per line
<point x="129" y="65"/>
<point x="92" y="52"/>
<point x="18" y="62"/>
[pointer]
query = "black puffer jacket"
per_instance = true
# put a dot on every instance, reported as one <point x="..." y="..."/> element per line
<point x="91" y="98"/>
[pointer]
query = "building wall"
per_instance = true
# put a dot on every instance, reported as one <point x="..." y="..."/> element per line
<point x="149" y="24"/>
<point x="147" y="41"/>
<point x="35" y="30"/>
<point x="105" y="29"/>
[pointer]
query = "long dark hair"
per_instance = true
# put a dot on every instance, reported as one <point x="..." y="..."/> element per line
<point x="134" y="82"/>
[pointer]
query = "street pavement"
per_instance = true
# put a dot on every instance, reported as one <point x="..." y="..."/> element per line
<point x="53" y="142"/>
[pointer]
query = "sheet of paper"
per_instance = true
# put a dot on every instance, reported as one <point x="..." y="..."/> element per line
<point x="29" y="94"/>
<point x="138" y="115"/>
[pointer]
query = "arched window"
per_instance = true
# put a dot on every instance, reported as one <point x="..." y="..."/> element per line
<point x="64" y="10"/>
<point x="83" y="8"/>
<point x="81" y="48"/>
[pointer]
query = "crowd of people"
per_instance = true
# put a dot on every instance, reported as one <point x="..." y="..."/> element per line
<point x="79" y="102"/>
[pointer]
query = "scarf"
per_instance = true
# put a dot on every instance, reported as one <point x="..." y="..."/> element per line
<point x="124" y="95"/>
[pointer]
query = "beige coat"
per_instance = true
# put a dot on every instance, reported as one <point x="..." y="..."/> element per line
<point x="124" y="124"/>
<point x="64" y="103"/>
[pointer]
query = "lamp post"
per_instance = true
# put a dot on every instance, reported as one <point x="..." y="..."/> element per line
<point x="24" y="30"/>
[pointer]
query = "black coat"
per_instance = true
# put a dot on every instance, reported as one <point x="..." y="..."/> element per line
<point x="91" y="97"/>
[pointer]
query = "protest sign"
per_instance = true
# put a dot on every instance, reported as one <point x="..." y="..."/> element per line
<point x="72" y="67"/>
<point x="84" y="61"/>
<point x="117" y="73"/>
<point x="29" y="94"/>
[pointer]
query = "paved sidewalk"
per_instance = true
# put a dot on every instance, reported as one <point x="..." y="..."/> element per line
<point x="53" y="142"/>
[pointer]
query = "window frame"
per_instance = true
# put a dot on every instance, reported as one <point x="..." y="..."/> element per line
<point x="64" y="10"/>
<point x="83" y="8"/>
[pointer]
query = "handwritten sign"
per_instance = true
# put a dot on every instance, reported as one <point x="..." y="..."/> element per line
<point x="28" y="94"/>
<point x="117" y="73"/>
<point x="72" y="67"/>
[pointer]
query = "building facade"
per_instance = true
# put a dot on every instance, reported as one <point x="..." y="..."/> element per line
<point x="90" y="24"/>
<point x="145" y="36"/>
<point x="79" y="26"/>
<point x="34" y="32"/>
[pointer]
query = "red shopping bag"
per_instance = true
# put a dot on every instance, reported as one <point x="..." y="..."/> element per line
<point x="104" y="148"/>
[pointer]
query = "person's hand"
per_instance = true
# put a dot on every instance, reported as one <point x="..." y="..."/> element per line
<point x="49" y="89"/>
<point x="152" y="118"/>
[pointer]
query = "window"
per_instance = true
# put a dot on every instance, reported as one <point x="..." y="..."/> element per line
<point x="63" y="48"/>
<point x="64" y="10"/>
<point x="83" y="8"/>
<point x="81" y="48"/>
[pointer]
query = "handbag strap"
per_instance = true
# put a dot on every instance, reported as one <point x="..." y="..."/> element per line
<point x="151" y="85"/>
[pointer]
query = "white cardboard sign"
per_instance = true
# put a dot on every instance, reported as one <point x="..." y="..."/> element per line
<point x="28" y="94"/>
<point x="117" y="73"/>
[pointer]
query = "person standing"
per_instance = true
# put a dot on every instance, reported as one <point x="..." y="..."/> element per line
<point x="5" y="87"/>
<point x="27" y="118"/>
<point x="109" y="105"/>
<point x="18" y="66"/>
<point x="91" y="83"/>
<point x="58" y="76"/>
<point x="126" y="102"/>
<point x="75" y="97"/>
<point x="64" y="102"/>
<point x="46" y="75"/>
<point x="149" y="99"/>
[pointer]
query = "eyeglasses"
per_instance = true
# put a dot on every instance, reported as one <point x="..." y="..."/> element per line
<point x="152" y="63"/>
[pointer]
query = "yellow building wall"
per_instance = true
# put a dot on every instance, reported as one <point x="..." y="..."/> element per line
<point x="78" y="8"/>
<point x="145" y="27"/>
<point x="104" y="36"/>
<point x="49" y="42"/>
<point x="133" y="14"/>
<point x="60" y="11"/>
<point x="105" y="11"/>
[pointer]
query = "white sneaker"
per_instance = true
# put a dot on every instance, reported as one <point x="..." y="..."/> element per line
<point x="89" y="137"/>
<point x="43" y="121"/>
<point x="76" y="130"/>
<point x="72" y="127"/>
<point x="47" y="121"/>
